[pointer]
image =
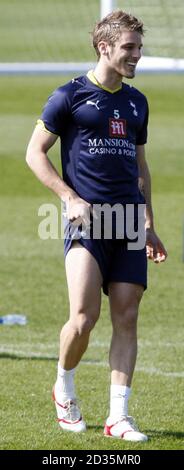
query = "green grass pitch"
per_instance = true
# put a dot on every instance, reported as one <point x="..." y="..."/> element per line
<point x="33" y="282"/>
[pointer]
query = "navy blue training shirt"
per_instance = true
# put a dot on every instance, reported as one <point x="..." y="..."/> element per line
<point x="99" y="130"/>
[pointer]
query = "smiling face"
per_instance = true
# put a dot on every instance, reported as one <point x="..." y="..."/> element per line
<point x="123" y="56"/>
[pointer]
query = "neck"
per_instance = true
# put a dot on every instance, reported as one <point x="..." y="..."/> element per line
<point x="107" y="77"/>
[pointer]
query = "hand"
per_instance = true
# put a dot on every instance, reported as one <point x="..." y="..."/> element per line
<point x="154" y="247"/>
<point x="78" y="211"/>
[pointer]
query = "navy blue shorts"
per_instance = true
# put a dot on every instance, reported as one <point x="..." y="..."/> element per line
<point x="116" y="262"/>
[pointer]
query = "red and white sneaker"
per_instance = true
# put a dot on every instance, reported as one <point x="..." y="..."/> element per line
<point x="68" y="415"/>
<point x="124" y="429"/>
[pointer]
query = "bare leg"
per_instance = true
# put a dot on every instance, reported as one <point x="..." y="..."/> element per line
<point x="84" y="286"/>
<point x="124" y="303"/>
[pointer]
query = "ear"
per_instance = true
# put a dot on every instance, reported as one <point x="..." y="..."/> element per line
<point x="103" y="47"/>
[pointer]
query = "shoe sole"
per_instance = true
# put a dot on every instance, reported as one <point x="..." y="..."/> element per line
<point x="125" y="439"/>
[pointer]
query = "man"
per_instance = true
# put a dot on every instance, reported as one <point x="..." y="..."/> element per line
<point x="102" y="124"/>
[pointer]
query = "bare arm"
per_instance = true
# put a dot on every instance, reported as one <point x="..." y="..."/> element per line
<point x="155" y="248"/>
<point x="37" y="159"/>
<point x="145" y="181"/>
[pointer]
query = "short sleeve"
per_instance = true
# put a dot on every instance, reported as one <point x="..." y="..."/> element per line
<point x="57" y="111"/>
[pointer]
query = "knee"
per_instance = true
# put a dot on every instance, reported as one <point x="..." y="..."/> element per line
<point x="83" y="324"/>
<point x="125" y="320"/>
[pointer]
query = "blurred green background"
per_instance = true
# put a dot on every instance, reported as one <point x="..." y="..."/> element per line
<point x="32" y="277"/>
<point x="59" y="30"/>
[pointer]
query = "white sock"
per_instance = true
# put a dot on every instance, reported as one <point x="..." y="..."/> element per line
<point x="119" y="395"/>
<point x="64" y="387"/>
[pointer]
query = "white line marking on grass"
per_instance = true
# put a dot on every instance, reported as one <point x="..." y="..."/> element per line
<point x="18" y="354"/>
<point x="141" y="344"/>
<point x="145" y="370"/>
<point x="154" y="371"/>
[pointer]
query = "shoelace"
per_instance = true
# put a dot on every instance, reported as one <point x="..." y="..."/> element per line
<point x="132" y="423"/>
<point x="72" y="410"/>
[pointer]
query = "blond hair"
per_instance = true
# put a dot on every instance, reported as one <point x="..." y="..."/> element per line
<point x="110" y="28"/>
